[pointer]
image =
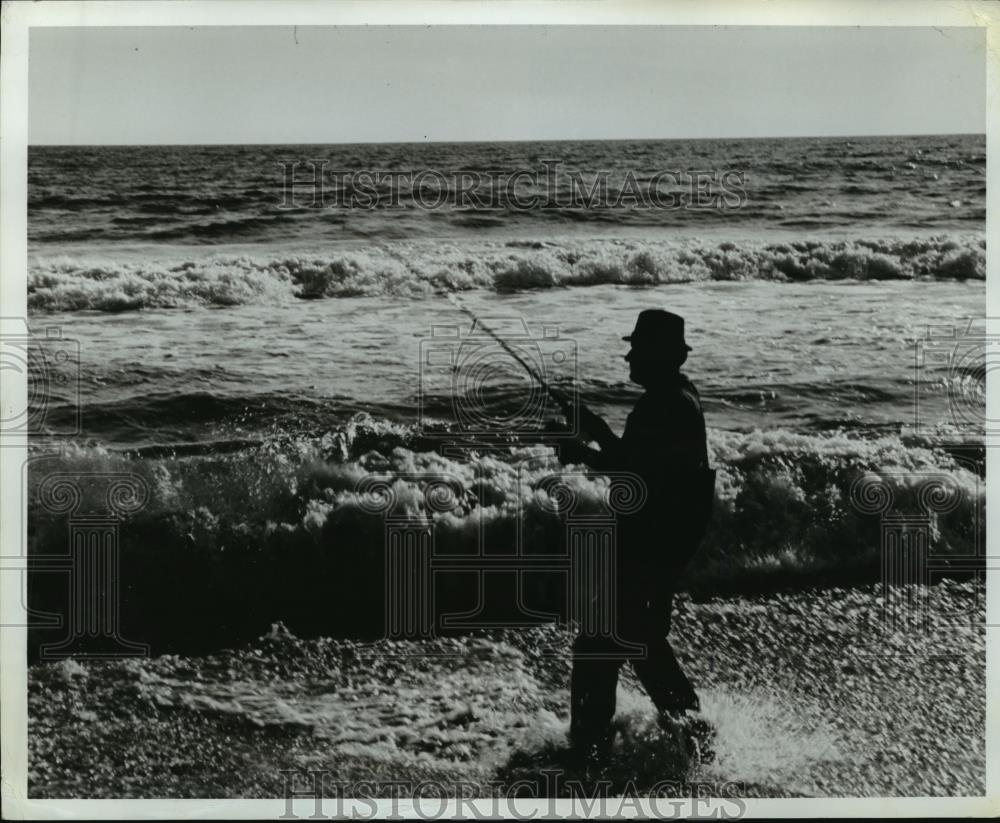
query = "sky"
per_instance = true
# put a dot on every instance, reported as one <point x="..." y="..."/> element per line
<point x="386" y="84"/>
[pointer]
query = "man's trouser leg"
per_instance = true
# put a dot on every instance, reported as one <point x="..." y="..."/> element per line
<point x="593" y="684"/>
<point x="662" y="678"/>
<point x="658" y="670"/>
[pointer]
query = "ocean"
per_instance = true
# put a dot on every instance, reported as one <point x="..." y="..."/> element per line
<point x="255" y="357"/>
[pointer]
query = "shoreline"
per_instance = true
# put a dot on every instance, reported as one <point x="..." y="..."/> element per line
<point x="809" y="692"/>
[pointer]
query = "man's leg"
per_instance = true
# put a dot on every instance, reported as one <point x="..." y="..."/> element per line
<point x="593" y="684"/>
<point x="664" y="680"/>
<point x="658" y="670"/>
<point x="669" y="688"/>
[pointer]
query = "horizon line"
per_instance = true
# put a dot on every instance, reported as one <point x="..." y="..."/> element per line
<point x="518" y="140"/>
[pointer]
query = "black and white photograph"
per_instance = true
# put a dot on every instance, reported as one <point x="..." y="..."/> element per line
<point x="435" y="418"/>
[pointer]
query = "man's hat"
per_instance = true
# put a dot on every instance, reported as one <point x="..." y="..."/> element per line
<point x="660" y="329"/>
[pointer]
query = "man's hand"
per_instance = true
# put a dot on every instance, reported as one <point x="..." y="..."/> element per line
<point x="564" y="400"/>
<point x="590" y="423"/>
<point x="591" y="426"/>
<point x="595" y="427"/>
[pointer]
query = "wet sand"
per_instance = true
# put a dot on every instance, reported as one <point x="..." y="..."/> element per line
<point x="812" y="693"/>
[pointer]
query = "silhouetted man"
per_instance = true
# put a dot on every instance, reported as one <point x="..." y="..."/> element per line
<point x="664" y="444"/>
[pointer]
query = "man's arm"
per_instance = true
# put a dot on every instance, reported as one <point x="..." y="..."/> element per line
<point x="575" y="451"/>
<point x="656" y="440"/>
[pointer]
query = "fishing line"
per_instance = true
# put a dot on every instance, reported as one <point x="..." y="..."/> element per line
<point x="564" y="401"/>
<point x="557" y="395"/>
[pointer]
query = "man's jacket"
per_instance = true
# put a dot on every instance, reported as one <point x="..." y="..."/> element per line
<point x="664" y="444"/>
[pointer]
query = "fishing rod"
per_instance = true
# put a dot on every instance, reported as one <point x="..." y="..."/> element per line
<point x="560" y="397"/>
<point x="565" y="403"/>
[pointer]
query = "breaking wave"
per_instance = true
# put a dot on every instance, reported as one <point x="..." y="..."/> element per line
<point x="230" y="541"/>
<point x="422" y="269"/>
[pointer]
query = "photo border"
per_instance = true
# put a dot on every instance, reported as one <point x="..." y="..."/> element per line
<point x="18" y="17"/>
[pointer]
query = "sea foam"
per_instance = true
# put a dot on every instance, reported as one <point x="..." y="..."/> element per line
<point x="421" y="269"/>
